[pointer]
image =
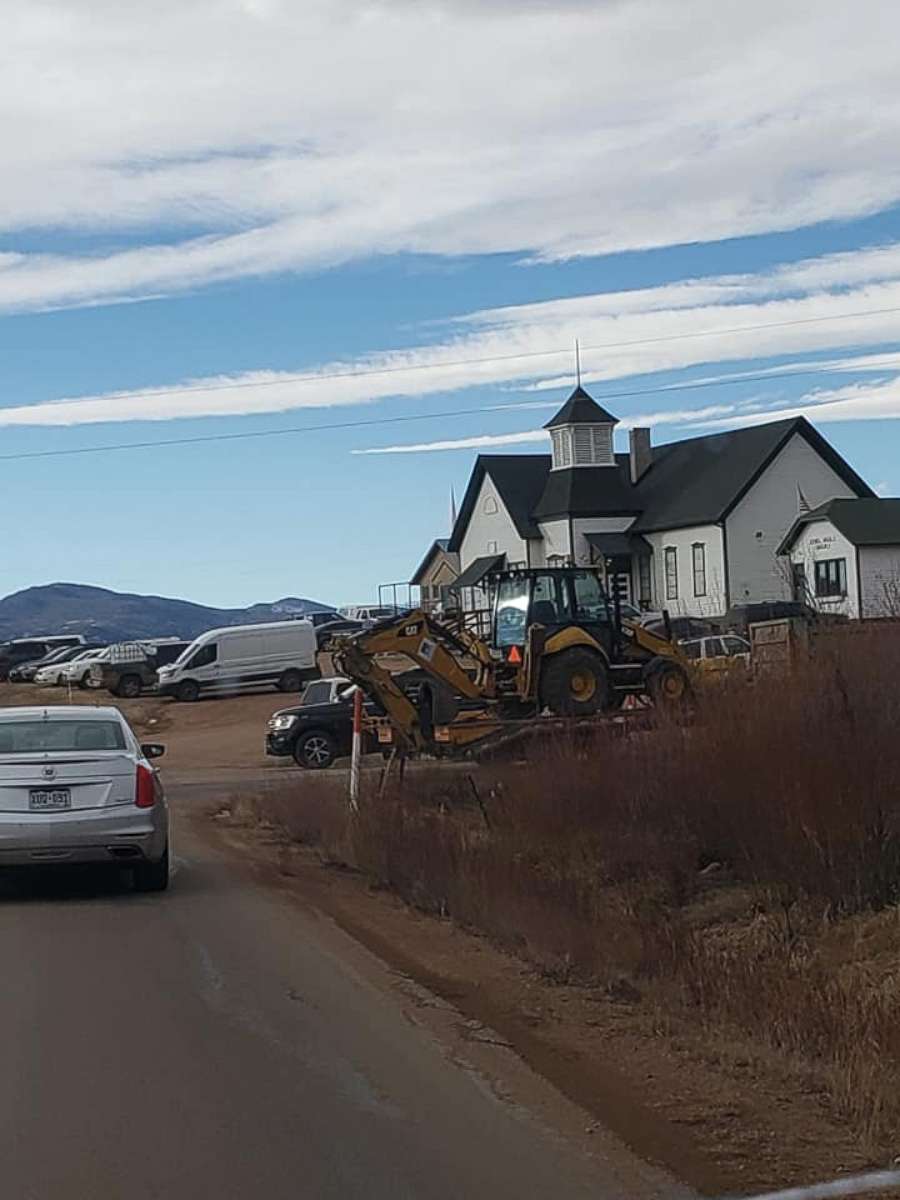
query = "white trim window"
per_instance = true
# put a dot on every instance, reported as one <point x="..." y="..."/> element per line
<point x="831" y="577"/>
<point x="671" y="569"/>
<point x="698" y="565"/>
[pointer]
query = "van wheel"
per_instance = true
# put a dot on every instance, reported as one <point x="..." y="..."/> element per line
<point x="188" y="691"/>
<point x="129" y="687"/>
<point x="315" y="750"/>
<point x="290" y="681"/>
<point x="574" y="683"/>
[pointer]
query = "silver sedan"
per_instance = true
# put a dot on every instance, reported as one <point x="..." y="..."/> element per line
<point x="76" y="786"/>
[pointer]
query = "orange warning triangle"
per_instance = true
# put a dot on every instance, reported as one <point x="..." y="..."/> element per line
<point x="514" y="655"/>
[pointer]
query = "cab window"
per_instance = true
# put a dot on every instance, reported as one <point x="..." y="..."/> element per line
<point x="512" y="611"/>
<point x="204" y="656"/>
<point x="317" y="693"/>
<point x="550" y="600"/>
<point x="590" y="600"/>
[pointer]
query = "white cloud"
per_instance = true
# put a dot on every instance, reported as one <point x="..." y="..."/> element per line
<point x="278" y="136"/>
<point x="636" y="333"/>
<point x="856" y="403"/>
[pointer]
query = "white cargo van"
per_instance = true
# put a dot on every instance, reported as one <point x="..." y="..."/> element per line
<point x="243" y="658"/>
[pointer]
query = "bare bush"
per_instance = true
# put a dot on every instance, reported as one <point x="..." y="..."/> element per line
<point x="715" y="864"/>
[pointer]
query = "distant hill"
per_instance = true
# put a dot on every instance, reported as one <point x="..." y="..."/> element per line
<point x="106" y="616"/>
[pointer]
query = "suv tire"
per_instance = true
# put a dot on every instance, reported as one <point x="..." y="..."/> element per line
<point x="315" y="750"/>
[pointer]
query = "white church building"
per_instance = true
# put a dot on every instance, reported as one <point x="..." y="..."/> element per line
<point x="692" y="526"/>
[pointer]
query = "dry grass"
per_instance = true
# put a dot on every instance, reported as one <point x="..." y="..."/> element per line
<point x="743" y="869"/>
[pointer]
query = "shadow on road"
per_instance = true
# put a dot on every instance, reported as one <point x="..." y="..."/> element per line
<point x="82" y="883"/>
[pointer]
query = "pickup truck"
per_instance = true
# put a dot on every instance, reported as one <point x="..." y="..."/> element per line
<point x="131" y="668"/>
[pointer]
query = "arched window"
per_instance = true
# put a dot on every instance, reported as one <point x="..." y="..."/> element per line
<point x="489" y="506"/>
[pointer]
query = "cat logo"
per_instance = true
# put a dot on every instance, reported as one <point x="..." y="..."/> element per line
<point x="410" y="630"/>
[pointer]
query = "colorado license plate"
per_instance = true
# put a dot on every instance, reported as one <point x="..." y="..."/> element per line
<point x="45" y="799"/>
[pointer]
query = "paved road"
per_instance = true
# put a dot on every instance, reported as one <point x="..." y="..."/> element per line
<point x="221" y="1041"/>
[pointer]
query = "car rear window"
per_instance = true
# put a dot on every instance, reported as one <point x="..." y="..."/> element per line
<point x="30" y="737"/>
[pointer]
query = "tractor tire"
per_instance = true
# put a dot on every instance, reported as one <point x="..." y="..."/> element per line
<point x="574" y="683"/>
<point x="669" y="686"/>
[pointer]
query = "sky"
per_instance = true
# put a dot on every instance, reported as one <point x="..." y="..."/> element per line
<point x="301" y="260"/>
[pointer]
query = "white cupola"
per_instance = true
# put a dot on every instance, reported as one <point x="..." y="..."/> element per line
<point x="582" y="434"/>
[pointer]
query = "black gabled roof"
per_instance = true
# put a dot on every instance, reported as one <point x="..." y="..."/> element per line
<point x="699" y="481"/>
<point x="587" y="491"/>
<point x="866" y="521"/>
<point x="581" y="409"/>
<point x="519" y="478"/>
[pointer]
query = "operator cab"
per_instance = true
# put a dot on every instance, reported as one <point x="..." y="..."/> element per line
<point x="553" y="598"/>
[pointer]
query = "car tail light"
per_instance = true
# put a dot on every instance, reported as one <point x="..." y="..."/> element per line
<point x="145" y="790"/>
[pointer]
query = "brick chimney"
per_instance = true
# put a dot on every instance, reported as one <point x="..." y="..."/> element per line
<point x="639" y="451"/>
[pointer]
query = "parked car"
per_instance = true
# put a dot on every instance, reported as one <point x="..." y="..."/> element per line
<point x="718" y="653"/>
<point x="76" y="671"/>
<point x="369" y="614"/>
<point x="132" y="667"/>
<point x="322" y="616"/>
<point x="21" y="650"/>
<point x="243" y="658"/>
<point x="26" y="671"/>
<point x="78" y="787"/>
<point x="320" y="728"/>
<point x="342" y="625"/>
<point x="631" y="612"/>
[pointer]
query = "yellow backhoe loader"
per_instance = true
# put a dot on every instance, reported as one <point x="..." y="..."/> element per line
<point x="557" y="646"/>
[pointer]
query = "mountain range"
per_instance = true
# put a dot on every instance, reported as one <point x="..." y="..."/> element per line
<point x="107" y="616"/>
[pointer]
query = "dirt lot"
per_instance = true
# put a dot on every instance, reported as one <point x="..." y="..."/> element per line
<point x="209" y="736"/>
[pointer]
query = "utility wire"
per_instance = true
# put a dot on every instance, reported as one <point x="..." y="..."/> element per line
<point x="399" y="369"/>
<point x="427" y="416"/>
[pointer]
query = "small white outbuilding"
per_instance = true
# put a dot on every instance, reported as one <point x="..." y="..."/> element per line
<point x="844" y="557"/>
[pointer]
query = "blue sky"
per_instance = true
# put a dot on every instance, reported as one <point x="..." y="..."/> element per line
<point x="204" y="235"/>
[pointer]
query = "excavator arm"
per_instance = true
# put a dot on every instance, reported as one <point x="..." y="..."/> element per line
<point x="436" y="650"/>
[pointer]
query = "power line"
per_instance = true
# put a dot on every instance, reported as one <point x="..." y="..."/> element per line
<point x="427" y="416"/>
<point x="404" y="368"/>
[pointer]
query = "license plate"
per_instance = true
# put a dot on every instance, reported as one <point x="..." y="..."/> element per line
<point x="47" y="799"/>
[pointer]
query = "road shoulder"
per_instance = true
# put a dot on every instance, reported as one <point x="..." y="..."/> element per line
<point x="714" y="1116"/>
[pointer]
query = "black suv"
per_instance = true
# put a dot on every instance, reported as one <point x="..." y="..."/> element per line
<point x="320" y="728"/>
